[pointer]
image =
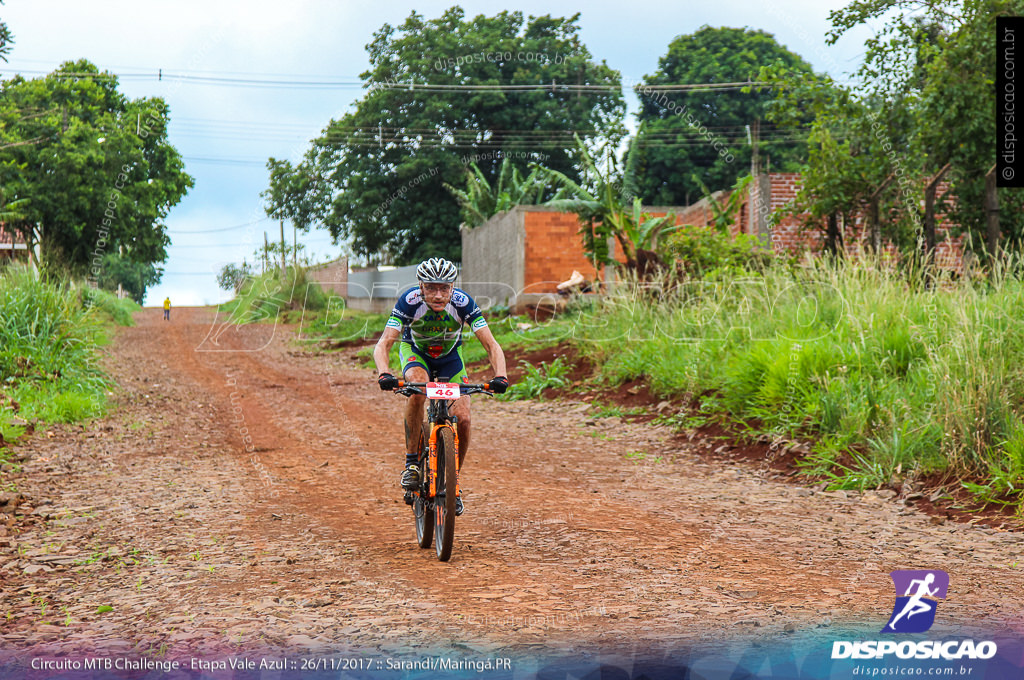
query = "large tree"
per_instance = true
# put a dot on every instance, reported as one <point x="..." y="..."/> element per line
<point x="6" y="39"/>
<point x="95" y="167"/>
<point x="704" y="131"/>
<point x="133" y="277"/>
<point x="442" y="93"/>
<point x="861" y="159"/>
<point x="934" y="63"/>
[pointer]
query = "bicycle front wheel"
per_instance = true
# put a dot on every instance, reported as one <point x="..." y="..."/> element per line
<point x="447" y="482"/>
<point x="422" y="507"/>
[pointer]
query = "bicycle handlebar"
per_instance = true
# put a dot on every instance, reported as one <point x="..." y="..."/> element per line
<point x="409" y="388"/>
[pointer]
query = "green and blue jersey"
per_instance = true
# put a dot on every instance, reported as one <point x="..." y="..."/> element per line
<point x="435" y="334"/>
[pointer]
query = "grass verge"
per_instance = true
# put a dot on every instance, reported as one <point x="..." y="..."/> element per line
<point x="289" y="298"/>
<point x="49" y="364"/>
<point x="893" y="379"/>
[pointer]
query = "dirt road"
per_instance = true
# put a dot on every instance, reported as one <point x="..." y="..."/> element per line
<point x="245" y="493"/>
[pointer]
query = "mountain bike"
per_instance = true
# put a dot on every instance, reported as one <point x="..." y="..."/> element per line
<point x="433" y="503"/>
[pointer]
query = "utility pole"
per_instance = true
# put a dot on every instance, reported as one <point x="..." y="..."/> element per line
<point x="283" y="265"/>
<point x="266" y="251"/>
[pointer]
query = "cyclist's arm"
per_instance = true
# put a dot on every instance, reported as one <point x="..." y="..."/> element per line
<point x="382" y="352"/>
<point x="494" y="351"/>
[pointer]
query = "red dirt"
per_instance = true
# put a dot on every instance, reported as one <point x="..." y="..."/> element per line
<point x="246" y="494"/>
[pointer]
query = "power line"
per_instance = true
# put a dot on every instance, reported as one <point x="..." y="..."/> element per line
<point x="410" y="86"/>
<point x="214" y="231"/>
<point x="223" y="161"/>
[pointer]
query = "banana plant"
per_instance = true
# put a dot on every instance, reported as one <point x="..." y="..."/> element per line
<point x="607" y="206"/>
<point x="641" y="231"/>
<point x="725" y="211"/>
<point x="481" y="200"/>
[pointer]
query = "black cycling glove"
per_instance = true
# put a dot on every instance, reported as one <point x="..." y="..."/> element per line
<point x="387" y="382"/>
<point x="498" y="384"/>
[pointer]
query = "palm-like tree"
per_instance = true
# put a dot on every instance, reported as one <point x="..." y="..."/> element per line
<point x="607" y="205"/>
<point x="481" y="200"/>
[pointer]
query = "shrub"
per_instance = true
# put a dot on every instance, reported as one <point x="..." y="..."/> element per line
<point x="699" y="251"/>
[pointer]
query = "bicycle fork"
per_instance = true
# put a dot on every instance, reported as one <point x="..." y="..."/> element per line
<point x="432" y="458"/>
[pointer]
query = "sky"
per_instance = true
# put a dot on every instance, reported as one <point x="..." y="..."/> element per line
<point x="227" y="131"/>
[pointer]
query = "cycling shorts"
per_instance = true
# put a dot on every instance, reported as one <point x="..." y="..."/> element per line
<point x="450" y="365"/>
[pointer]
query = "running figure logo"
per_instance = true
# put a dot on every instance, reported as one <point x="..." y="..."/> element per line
<point x="912" y="613"/>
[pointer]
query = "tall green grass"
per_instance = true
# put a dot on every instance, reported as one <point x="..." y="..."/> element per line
<point x="893" y="378"/>
<point x="49" y="335"/>
<point x="108" y="307"/>
<point x="271" y="296"/>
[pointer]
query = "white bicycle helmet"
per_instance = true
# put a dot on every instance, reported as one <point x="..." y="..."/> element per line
<point x="437" y="270"/>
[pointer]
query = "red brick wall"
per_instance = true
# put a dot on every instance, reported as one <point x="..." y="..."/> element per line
<point x="554" y="248"/>
<point x="791" y="235"/>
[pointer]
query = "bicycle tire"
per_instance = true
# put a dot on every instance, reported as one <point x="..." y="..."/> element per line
<point x="422" y="507"/>
<point x="447" y="479"/>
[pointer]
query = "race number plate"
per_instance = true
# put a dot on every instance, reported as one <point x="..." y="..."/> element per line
<point x="443" y="391"/>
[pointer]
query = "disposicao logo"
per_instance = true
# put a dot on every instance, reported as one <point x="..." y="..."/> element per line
<point x="914" y="612"/>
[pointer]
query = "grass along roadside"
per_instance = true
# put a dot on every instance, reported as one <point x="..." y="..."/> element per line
<point x="290" y="298"/>
<point x="49" y="364"/>
<point x="895" y="382"/>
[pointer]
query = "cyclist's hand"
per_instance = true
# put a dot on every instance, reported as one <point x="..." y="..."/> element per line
<point x="498" y="384"/>
<point x="387" y="382"/>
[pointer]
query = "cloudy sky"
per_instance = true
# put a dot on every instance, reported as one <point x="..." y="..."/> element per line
<point x="227" y="130"/>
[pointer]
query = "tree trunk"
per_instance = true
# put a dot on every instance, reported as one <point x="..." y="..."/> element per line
<point x="875" y="215"/>
<point x="928" y="226"/>
<point x="834" y="240"/>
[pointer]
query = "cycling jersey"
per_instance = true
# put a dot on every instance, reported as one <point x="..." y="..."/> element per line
<point x="435" y="334"/>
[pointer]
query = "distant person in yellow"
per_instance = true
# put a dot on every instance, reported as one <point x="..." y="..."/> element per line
<point x="167" y="309"/>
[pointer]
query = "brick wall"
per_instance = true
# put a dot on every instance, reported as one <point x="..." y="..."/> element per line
<point x="789" y="234"/>
<point x="554" y="248"/>
<point x="700" y="212"/>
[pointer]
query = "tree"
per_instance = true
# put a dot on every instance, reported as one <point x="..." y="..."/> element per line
<point x="705" y="132"/>
<point x="934" y="62"/>
<point x="861" y="158"/>
<point x="442" y="93"/>
<point x="96" y="167"/>
<point x="290" y="194"/>
<point x="134" y="277"/>
<point x="6" y="38"/>
<point x="233" y="276"/>
<point x="481" y="199"/>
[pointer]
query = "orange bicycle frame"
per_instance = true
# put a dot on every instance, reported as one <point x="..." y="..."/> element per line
<point x="432" y="457"/>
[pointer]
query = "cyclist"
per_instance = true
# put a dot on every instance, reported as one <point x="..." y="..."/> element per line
<point x="428" y="318"/>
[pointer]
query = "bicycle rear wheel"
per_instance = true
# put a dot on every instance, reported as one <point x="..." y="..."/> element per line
<point x="422" y="507"/>
<point x="444" y="502"/>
